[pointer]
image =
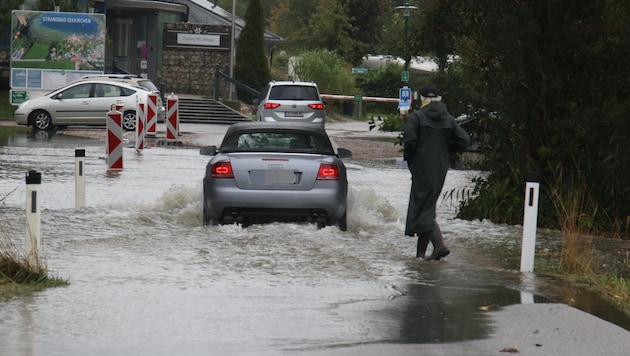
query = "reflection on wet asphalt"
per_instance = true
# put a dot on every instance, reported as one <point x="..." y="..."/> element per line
<point x="147" y="278"/>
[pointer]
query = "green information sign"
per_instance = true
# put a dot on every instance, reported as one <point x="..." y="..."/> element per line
<point x="405" y="76"/>
<point x="359" y="70"/>
<point x="18" y="96"/>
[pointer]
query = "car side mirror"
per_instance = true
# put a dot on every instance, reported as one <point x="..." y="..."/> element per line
<point x="208" y="151"/>
<point x="59" y="96"/>
<point x="344" y="153"/>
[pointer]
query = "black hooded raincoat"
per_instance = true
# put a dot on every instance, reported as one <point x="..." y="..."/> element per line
<point x="430" y="134"/>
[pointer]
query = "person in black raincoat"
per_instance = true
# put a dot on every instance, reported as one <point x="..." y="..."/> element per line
<point x="430" y="134"/>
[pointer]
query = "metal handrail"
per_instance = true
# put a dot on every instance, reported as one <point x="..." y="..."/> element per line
<point x="226" y="77"/>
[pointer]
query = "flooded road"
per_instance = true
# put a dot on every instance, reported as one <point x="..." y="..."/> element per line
<point x="147" y="278"/>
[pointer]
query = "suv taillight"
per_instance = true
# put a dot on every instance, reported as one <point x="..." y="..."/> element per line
<point x="271" y="105"/>
<point x="328" y="172"/>
<point x="316" y="106"/>
<point x="222" y="170"/>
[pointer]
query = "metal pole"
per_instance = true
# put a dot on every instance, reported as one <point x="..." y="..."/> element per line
<point x="232" y="54"/>
<point x="406" y="40"/>
<point x="406" y="11"/>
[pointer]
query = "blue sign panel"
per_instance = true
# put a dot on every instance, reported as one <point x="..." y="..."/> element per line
<point x="404" y="99"/>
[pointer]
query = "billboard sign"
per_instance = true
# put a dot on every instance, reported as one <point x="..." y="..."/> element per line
<point x="51" y="49"/>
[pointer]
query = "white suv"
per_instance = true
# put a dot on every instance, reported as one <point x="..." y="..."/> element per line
<point x="291" y="101"/>
<point x="85" y="102"/>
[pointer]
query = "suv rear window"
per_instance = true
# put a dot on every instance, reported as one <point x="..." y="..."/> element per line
<point x="293" y="92"/>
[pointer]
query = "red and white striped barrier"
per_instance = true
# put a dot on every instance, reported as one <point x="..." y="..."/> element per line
<point x="141" y="124"/>
<point x="172" y="117"/>
<point x="152" y="111"/>
<point x="113" y="143"/>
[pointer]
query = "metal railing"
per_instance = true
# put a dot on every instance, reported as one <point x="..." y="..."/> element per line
<point x="218" y="74"/>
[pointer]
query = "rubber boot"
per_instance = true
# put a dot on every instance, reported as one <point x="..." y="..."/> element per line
<point x="423" y="243"/>
<point x="439" y="250"/>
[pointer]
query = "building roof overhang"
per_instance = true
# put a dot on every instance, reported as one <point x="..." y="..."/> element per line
<point x="145" y="4"/>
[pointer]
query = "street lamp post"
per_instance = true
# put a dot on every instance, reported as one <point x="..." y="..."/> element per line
<point x="406" y="11"/>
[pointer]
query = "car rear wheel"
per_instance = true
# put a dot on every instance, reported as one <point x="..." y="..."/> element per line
<point x="129" y="120"/>
<point x="207" y="220"/>
<point x="41" y="120"/>
<point x="342" y="224"/>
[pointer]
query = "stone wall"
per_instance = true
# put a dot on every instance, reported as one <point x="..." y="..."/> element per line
<point x="190" y="69"/>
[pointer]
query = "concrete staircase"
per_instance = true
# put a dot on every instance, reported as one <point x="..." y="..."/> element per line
<point x="199" y="109"/>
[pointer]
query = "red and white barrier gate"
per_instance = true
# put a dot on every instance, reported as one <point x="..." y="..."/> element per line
<point x="141" y="124"/>
<point x="172" y="117"/>
<point x="113" y="143"/>
<point x="152" y="111"/>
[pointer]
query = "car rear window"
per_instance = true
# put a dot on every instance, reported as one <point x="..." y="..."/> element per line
<point x="293" y="92"/>
<point x="277" y="142"/>
<point x="148" y="84"/>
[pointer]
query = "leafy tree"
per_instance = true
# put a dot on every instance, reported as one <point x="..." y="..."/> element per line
<point x="352" y="28"/>
<point x="64" y="5"/>
<point x="252" y="67"/>
<point x="327" y="69"/>
<point x="366" y="25"/>
<point x="290" y="16"/>
<point x="382" y="82"/>
<point x="556" y="75"/>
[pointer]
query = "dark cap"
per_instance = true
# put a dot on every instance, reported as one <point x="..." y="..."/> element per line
<point x="430" y="91"/>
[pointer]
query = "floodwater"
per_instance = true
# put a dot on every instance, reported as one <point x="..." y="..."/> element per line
<point x="147" y="278"/>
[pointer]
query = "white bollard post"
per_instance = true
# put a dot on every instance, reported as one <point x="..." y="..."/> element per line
<point x="141" y="123"/>
<point x="79" y="178"/>
<point x="33" y="219"/>
<point x="530" y="222"/>
<point x="114" y="139"/>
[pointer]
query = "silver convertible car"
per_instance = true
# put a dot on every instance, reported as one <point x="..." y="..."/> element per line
<point x="275" y="172"/>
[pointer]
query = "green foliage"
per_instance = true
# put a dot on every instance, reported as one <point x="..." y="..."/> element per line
<point x="64" y="5"/>
<point x="252" y="67"/>
<point x="381" y="82"/>
<point x="392" y="123"/>
<point x="328" y="24"/>
<point x="327" y="69"/>
<point x="555" y="73"/>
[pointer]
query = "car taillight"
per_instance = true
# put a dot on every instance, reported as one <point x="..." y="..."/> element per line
<point x="328" y="172"/>
<point x="316" y="106"/>
<point x="222" y="170"/>
<point x="271" y="105"/>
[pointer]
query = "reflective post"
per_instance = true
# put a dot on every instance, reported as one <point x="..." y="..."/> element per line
<point x="151" y="112"/>
<point x="114" y="139"/>
<point x="141" y="123"/>
<point x="530" y="222"/>
<point x="172" y="117"/>
<point x="33" y="219"/>
<point x="79" y="175"/>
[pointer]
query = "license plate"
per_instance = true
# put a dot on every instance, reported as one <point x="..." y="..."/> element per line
<point x="293" y="114"/>
<point x="280" y="176"/>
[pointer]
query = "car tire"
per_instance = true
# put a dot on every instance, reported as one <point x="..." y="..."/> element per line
<point x="342" y="224"/>
<point x="41" y="120"/>
<point x="207" y="220"/>
<point x="129" y="121"/>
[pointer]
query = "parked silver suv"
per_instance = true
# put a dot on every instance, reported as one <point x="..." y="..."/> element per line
<point x="291" y="101"/>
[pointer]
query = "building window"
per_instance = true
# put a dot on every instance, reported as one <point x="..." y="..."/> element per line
<point x="122" y="37"/>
